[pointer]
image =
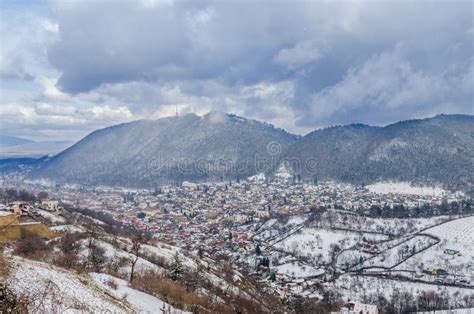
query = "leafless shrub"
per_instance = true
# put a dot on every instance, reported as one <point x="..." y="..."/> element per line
<point x="157" y="260"/>
<point x="115" y="264"/>
<point x="68" y="261"/>
<point x="4" y="264"/>
<point x="11" y="303"/>
<point x="69" y="243"/>
<point x="111" y="283"/>
<point x="30" y="245"/>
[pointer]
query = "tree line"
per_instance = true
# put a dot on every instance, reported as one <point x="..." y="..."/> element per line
<point x="426" y="210"/>
<point x="21" y="195"/>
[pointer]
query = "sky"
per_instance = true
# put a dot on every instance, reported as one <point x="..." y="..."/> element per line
<point x="70" y="67"/>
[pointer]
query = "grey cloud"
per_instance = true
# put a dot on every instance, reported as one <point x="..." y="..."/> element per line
<point x="388" y="86"/>
<point x="299" y="65"/>
<point x="232" y="41"/>
<point x="313" y="44"/>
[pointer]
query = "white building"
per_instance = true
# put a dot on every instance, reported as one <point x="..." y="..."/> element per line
<point x="358" y="308"/>
<point x="51" y="206"/>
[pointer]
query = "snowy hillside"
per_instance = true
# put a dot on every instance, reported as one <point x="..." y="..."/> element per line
<point x="51" y="289"/>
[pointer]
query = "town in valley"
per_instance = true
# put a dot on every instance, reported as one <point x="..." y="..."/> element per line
<point x="299" y="239"/>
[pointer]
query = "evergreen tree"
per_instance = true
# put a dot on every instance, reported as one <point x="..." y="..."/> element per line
<point x="258" y="251"/>
<point x="177" y="268"/>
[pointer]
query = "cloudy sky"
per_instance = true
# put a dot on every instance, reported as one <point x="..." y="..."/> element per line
<point x="69" y="67"/>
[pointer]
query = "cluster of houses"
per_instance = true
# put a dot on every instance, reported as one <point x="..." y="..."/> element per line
<point x="369" y="247"/>
<point x="19" y="217"/>
<point x="217" y="218"/>
<point x="26" y="208"/>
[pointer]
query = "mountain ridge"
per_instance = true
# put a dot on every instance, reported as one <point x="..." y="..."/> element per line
<point x="218" y="146"/>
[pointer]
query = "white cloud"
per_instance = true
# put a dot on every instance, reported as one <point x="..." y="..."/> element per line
<point x="50" y="91"/>
<point x="301" y="54"/>
<point x="107" y="113"/>
<point x="50" y="26"/>
<point x="45" y="109"/>
<point x="45" y="116"/>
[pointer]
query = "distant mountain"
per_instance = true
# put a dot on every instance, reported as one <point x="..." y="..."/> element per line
<point x="218" y="146"/>
<point x="8" y="141"/>
<point x="437" y="150"/>
<point x="145" y="153"/>
<point x="20" y="164"/>
<point x="34" y="149"/>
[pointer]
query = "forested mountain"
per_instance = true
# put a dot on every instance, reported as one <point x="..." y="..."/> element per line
<point x="435" y="150"/>
<point x="146" y="153"/>
<point x="218" y="146"/>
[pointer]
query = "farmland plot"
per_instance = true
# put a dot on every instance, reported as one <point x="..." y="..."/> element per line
<point x="317" y="244"/>
<point x="360" y="287"/>
<point x="397" y="254"/>
<point x="454" y="252"/>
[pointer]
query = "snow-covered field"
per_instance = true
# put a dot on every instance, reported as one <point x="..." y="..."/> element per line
<point x="357" y="287"/>
<point x="456" y="231"/>
<point x="317" y="243"/>
<point x="298" y="270"/>
<point x="454" y="235"/>
<point x="404" y="188"/>
<point x="395" y="226"/>
<point x="397" y="253"/>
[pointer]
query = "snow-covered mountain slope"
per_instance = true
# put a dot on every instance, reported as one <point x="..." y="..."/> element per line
<point x="436" y="150"/>
<point x="155" y="260"/>
<point x="139" y="301"/>
<point x="49" y="289"/>
<point x="145" y="153"/>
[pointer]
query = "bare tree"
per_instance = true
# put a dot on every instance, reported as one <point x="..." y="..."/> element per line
<point x="135" y="255"/>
